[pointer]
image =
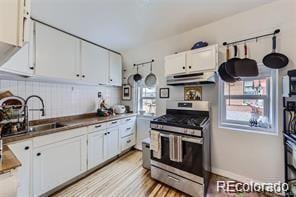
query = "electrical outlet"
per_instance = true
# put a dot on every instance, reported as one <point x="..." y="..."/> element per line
<point x="99" y="94"/>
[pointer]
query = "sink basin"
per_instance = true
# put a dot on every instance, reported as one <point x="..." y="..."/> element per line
<point x="44" y="127"/>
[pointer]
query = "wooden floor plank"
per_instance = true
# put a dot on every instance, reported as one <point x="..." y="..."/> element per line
<point x="125" y="177"/>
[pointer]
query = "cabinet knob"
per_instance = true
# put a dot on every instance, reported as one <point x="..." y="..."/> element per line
<point x="83" y="76"/>
<point x="183" y="67"/>
<point x="108" y="132"/>
<point x="105" y="133"/>
<point x="31" y="67"/>
<point x="77" y="75"/>
<point x="27" y="148"/>
<point x="189" y="67"/>
<point x="38" y="154"/>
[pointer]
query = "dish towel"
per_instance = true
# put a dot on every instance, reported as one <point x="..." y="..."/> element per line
<point x="155" y="144"/>
<point x="176" y="150"/>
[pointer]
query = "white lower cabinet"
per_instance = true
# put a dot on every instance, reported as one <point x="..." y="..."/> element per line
<point x="111" y="142"/>
<point x="57" y="163"/>
<point x="23" y="152"/>
<point x="96" y="148"/>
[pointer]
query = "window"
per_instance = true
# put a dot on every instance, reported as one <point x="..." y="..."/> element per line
<point x="249" y="104"/>
<point x="147" y="100"/>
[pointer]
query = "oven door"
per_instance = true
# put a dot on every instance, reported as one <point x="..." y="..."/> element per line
<point x="192" y="158"/>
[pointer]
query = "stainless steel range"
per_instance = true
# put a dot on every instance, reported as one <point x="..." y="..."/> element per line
<point x="188" y="122"/>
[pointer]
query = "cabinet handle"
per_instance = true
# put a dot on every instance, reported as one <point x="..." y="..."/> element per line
<point x="183" y="67"/>
<point x="83" y="76"/>
<point x="114" y="122"/>
<point x="128" y="141"/>
<point x="108" y="132"/>
<point x="105" y="133"/>
<point x="98" y="126"/>
<point x="147" y="146"/>
<point x="38" y="154"/>
<point x="128" y="119"/>
<point x="27" y="148"/>
<point x="110" y="79"/>
<point x="31" y="67"/>
<point x="189" y="67"/>
<point x="77" y="75"/>
<point x="128" y="128"/>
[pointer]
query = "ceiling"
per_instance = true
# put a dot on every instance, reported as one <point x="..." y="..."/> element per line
<point x="124" y="24"/>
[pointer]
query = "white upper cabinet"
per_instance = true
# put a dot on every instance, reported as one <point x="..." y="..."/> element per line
<point x="175" y="64"/>
<point x="14" y="21"/>
<point x="57" y="53"/>
<point x="202" y="59"/>
<point x="20" y="63"/>
<point x="115" y="69"/>
<point x="193" y="61"/>
<point x="94" y="63"/>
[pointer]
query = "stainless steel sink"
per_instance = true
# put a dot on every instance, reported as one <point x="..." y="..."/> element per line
<point x="44" y="127"/>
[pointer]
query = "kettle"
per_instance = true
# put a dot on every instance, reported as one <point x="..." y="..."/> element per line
<point x="119" y="109"/>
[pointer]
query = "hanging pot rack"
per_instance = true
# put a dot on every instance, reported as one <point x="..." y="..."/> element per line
<point x="143" y="63"/>
<point x="252" y="38"/>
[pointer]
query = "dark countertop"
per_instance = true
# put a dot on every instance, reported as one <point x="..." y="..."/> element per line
<point x="70" y="122"/>
<point x="9" y="160"/>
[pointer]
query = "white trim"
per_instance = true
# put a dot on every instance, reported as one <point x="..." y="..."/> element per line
<point x="233" y="176"/>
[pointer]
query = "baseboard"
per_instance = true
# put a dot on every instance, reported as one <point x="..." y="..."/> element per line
<point x="233" y="176"/>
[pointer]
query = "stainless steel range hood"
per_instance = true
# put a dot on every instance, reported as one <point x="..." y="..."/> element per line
<point x="192" y="79"/>
<point x="7" y="51"/>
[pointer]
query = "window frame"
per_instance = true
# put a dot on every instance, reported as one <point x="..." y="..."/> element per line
<point x="141" y="98"/>
<point x="270" y="105"/>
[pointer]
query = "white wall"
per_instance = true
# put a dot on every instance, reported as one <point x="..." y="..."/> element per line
<point x="235" y="154"/>
<point x="61" y="99"/>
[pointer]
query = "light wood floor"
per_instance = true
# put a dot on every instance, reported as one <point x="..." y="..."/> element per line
<point x="126" y="177"/>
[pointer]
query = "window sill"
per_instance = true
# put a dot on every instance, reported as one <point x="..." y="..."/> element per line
<point x="248" y="129"/>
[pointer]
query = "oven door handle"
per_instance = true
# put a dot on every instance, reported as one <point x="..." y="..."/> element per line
<point x="187" y="139"/>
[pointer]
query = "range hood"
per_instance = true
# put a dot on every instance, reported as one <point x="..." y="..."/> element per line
<point x="192" y="79"/>
<point x="7" y="51"/>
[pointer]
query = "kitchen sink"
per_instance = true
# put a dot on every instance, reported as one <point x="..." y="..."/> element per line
<point x="44" y="127"/>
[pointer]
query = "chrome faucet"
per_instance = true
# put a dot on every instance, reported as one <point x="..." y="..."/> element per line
<point x="26" y="118"/>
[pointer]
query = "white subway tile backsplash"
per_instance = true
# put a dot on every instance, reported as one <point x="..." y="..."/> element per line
<point x="61" y="99"/>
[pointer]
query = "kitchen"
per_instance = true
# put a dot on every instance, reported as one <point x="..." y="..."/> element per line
<point x="58" y="63"/>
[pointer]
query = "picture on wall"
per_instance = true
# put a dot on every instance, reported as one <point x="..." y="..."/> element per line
<point x="126" y="92"/>
<point x="193" y="93"/>
<point x="164" y="93"/>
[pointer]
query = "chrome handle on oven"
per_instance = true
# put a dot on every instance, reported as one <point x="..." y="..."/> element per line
<point x="187" y="139"/>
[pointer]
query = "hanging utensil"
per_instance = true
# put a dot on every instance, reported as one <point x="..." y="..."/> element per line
<point x="246" y="67"/>
<point x="137" y="77"/>
<point x="222" y="72"/>
<point x="151" y="79"/>
<point x="275" y="60"/>
<point x="229" y="67"/>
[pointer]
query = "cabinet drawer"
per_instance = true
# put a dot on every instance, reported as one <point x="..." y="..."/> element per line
<point x="128" y="120"/>
<point x="126" y="130"/>
<point x="113" y="123"/>
<point x="127" y="142"/>
<point x="97" y="127"/>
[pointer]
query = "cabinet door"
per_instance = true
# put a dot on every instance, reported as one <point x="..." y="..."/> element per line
<point x="111" y="143"/>
<point x="94" y="63"/>
<point x="12" y="21"/>
<point x="23" y="152"/>
<point x="202" y="59"/>
<point x="175" y="64"/>
<point x="19" y="63"/>
<point x="115" y="69"/>
<point x="95" y="148"/>
<point x="57" y="53"/>
<point x="57" y="163"/>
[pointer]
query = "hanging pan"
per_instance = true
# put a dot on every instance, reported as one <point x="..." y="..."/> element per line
<point x="137" y="77"/>
<point x="246" y="67"/>
<point x="222" y="72"/>
<point x="150" y="80"/>
<point x="229" y="67"/>
<point x="275" y="60"/>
